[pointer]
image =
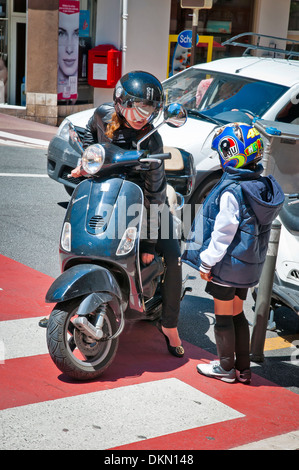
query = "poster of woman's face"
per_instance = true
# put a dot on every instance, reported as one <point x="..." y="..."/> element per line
<point x="68" y="49"/>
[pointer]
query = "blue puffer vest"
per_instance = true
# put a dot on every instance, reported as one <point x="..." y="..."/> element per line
<point x="260" y="199"/>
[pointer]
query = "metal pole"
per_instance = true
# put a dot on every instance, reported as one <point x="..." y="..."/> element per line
<point x="263" y="300"/>
<point x="194" y="35"/>
<point x="124" y="35"/>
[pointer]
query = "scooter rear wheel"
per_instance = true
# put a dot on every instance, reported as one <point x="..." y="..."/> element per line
<point x="72" y="351"/>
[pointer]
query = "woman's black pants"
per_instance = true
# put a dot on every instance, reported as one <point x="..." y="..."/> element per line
<point x="168" y="246"/>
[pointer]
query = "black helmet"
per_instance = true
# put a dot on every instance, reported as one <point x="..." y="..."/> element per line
<point x="137" y="96"/>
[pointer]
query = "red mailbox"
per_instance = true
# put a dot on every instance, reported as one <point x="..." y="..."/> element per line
<point x="104" y="66"/>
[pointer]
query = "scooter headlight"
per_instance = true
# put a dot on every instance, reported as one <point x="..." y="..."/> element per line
<point x="93" y="159"/>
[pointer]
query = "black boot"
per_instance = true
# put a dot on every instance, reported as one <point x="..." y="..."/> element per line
<point x="242" y="348"/>
<point x="225" y="341"/>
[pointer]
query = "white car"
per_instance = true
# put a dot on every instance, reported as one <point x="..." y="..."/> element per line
<point x="214" y="93"/>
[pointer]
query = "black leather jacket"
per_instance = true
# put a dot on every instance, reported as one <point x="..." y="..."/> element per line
<point x="152" y="181"/>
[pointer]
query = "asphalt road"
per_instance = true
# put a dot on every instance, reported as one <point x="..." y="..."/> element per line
<point x="32" y="209"/>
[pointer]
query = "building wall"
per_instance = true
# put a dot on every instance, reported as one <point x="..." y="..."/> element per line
<point x="146" y="39"/>
<point x="148" y="32"/>
<point x="145" y="45"/>
<point x="41" y="77"/>
<point x="272" y="18"/>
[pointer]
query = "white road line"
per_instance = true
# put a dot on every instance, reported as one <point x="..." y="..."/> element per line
<point x="110" y="418"/>
<point x="21" y="138"/>
<point x="25" y="175"/>
<point x="12" y="143"/>
<point x="22" y="338"/>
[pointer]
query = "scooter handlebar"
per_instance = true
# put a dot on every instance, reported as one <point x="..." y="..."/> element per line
<point x="162" y="156"/>
<point x="157" y="157"/>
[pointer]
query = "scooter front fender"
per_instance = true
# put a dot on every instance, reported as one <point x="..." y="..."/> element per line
<point x="83" y="279"/>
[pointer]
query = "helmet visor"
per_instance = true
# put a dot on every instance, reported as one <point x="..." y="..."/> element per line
<point x="137" y="112"/>
<point x="135" y="109"/>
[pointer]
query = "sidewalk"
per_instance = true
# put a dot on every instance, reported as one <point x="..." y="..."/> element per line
<point x="16" y="129"/>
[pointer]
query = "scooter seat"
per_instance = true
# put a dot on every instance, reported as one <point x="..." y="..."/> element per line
<point x="289" y="213"/>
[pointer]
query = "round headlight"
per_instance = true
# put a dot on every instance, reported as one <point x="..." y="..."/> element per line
<point x="93" y="159"/>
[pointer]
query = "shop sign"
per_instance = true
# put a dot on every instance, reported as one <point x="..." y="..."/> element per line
<point x="185" y="39"/>
<point x="196" y="3"/>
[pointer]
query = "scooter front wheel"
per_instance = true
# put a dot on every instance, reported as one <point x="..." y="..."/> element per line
<point x="74" y="353"/>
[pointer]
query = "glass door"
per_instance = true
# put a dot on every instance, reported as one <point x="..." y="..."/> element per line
<point x="3" y="51"/>
<point x="17" y="51"/>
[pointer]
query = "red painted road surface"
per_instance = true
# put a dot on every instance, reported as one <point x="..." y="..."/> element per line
<point x="142" y="357"/>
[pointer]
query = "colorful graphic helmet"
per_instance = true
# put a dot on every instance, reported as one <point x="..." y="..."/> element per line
<point x="238" y="145"/>
<point x="138" y="96"/>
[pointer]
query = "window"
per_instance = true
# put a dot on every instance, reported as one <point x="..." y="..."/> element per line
<point x="294" y="16"/>
<point x="86" y="42"/>
<point x="72" y="76"/>
<point x="226" y="19"/>
<point x="19" y="6"/>
<point x="289" y="114"/>
<point x="214" y="95"/>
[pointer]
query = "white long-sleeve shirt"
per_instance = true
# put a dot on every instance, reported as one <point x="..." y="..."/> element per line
<point x="226" y="225"/>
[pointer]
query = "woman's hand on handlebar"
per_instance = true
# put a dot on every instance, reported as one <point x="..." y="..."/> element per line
<point x="147" y="258"/>
<point x="76" y="172"/>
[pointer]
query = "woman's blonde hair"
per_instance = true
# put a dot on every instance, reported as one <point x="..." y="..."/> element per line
<point x="113" y="126"/>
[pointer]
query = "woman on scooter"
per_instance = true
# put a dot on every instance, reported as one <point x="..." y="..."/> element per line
<point x="137" y="100"/>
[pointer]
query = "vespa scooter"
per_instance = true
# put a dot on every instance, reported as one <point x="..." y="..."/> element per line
<point x="102" y="281"/>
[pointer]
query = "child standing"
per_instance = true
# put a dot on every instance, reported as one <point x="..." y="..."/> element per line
<point x="229" y="243"/>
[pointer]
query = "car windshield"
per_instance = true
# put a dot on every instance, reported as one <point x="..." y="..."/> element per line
<point x="214" y="95"/>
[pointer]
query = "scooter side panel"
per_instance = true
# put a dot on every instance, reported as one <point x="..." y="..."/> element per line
<point x="116" y="204"/>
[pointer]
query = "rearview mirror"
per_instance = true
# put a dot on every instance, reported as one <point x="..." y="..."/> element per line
<point x="175" y="115"/>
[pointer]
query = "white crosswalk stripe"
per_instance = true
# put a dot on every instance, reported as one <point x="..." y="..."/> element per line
<point x="16" y="338"/>
<point x="111" y="418"/>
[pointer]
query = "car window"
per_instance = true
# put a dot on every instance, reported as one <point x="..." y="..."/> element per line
<point x="217" y="94"/>
<point x="289" y="114"/>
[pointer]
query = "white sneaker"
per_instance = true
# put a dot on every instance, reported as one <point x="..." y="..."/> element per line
<point x="214" y="369"/>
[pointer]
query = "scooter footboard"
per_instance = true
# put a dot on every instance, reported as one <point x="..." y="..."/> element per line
<point x="83" y="279"/>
